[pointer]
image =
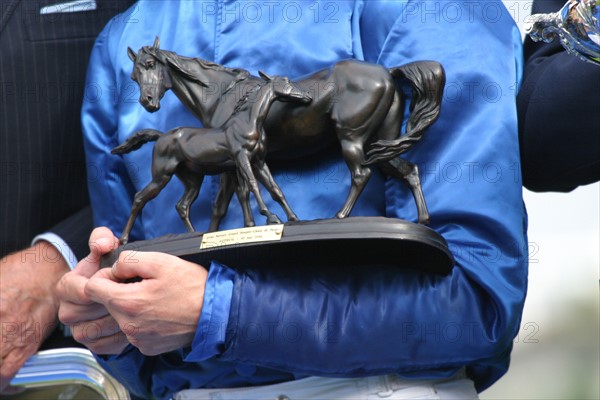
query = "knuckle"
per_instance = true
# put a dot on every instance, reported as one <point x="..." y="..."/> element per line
<point x="126" y="307"/>
<point x="146" y="341"/>
<point x="79" y="335"/>
<point x="88" y="288"/>
<point x="147" y="349"/>
<point x="99" y="347"/>
<point x="62" y="287"/>
<point x="128" y="257"/>
<point x="122" y="257"/>
<point x="134" y="341"/>
<point x="88" y="333"/>
<point x="129" y="329"/>
<point x="82" y="295"/>
<point x="65" y="315"/>
<point x="104" y="347"/>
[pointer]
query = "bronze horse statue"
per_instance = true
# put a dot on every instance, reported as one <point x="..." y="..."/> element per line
<point x="356" y="102"/>
<point x="238" y="146"/>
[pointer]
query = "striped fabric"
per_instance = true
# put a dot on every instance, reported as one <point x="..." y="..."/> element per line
<point x="43" y="61"/>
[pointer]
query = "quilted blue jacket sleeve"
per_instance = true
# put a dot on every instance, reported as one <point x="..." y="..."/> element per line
<point x="367" y="320"/>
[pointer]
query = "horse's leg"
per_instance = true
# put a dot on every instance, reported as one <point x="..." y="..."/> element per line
<point x="398" y="167"/>
<point x="141" y="198"/>
<point x="265" y="177"/>
<point x="228" y="184"/>
<point x="243" y="194"/>
<point x="192" y="183"/>
<point x="409" y="173"/>
<point x="354" y="156"/>
<point x="222" y="200"/>
<point x="380" y="117"/>
<point x="242" y="160"/>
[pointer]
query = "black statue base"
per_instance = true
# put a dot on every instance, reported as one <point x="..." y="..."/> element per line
<point x="326" y="242"/>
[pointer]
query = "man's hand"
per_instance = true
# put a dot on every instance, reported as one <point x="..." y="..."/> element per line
<point x="160" y="312"/>
<point x="28" y="305"/>
<point x="90" y="321"/>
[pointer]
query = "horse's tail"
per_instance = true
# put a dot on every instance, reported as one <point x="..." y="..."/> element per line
<point x="427" y="79"/>
<point x="137" y="140"/>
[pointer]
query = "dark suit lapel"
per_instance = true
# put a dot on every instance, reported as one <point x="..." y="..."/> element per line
<point x="7" y="10"/>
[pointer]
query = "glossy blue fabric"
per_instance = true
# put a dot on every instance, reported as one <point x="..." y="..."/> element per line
<point x="212" y="326"/>
<point x="368" y="320"/>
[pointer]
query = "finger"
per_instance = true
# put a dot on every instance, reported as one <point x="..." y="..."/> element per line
<point x="70" y="289"/>
<point x="102" y="336"/>
<point x="10" y="365"/>
<point x="107" y="285"/>
<point x="136" y="264"/>
<point x="103" y="287"/>
<point x="90" y="332"/>
<point x="70" y="313"/>
<point x="112" y="344"/>
<point x="102" y="241"/>
<point x="145" y="265"/>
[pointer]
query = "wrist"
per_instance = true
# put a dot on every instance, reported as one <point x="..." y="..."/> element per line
<point x="48" y="257"/>
<point x="50" y="266"/>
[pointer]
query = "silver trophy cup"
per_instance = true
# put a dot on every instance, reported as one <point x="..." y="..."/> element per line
<point x="577" y="26"/>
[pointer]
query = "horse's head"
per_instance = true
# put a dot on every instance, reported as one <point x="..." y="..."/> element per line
<point x="151" y="74"/>
<point x="285" y="90"/>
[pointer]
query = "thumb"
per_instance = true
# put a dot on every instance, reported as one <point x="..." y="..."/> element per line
<point x="102" y="241"/>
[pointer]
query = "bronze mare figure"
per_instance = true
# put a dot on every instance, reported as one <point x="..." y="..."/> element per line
<point x="193" y="153"/>
<point x="355" y="102"/>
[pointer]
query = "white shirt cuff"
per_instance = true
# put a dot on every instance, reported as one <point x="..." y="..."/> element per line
<point x="60" y="245"/>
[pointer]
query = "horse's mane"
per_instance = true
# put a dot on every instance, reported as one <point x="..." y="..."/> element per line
<point x="241" y="103"/>
<point x="175" y="61"/>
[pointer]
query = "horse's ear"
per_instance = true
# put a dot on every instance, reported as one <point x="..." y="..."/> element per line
<point x="156" y="43"/>
<point x="264" y="76"/>
<point x="131" y="54"/>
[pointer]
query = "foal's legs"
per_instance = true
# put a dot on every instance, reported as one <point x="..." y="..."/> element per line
<point x="243" y="194"/>
<point x="265" y="177"/>
<point x="159" y="180"/>
<point x="222" y="200"/>
<point x="242" y="160"/>
<point x="228" y="184"/>
<point x="409" y="173"/>
<point x="192" y="183"/>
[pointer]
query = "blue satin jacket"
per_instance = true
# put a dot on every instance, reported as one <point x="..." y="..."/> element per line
<point x="266" y="326"/>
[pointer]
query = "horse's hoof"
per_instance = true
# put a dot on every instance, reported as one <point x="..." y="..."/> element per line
<point x="273" y="220"/>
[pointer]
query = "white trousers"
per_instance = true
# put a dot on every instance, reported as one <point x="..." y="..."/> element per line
<point x="389" y="387"/>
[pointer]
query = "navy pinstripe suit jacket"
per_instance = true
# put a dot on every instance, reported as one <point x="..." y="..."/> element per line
<point x="43" y="62"/>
